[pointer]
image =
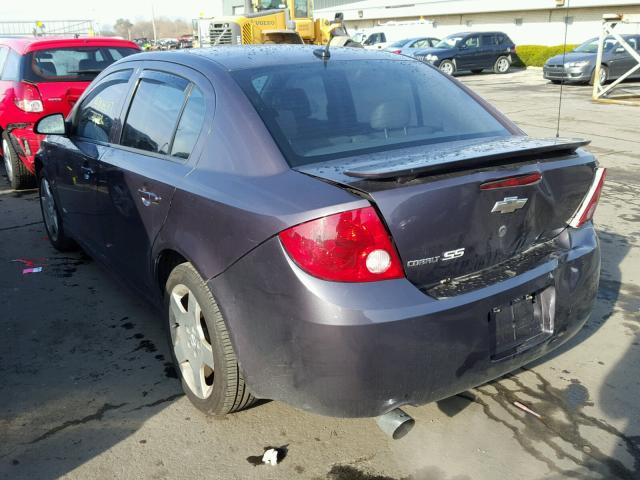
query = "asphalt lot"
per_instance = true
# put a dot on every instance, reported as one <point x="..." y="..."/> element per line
<point x="86" y="390"/>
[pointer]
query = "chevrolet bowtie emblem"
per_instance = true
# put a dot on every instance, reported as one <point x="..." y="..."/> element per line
<point x="509" y="205"/>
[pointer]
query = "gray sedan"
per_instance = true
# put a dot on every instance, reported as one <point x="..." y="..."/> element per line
<point x="579" y="65"/>
<point x="410" y="45"/>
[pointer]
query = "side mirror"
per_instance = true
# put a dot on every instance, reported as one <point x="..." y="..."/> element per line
<point x="463" y="46"/>
<point x="51" y="125"/>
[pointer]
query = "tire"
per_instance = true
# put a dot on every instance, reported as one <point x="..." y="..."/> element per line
<point x="604" y="75"/>
<point x="477" y="70"/>
<point x="17" y="173"/>
<point x="502" y="65"/>
<point x="217" y="389"/>
<point x="52" y="219"/>
<point x="447" y="66"/>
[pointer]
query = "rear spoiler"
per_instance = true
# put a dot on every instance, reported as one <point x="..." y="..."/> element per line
<point x="473" y="156"/>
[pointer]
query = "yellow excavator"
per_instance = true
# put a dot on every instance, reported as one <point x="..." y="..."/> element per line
<point x="271" y="21"/>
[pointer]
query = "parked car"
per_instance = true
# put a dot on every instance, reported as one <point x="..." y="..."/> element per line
<point x="185" y="41"/>
<point x="409" y="45"/>
<point x="317" y="237"/>
<point x="40" y="76"/>
<point x="579" y="66"/>
<point x="471" y="51"/>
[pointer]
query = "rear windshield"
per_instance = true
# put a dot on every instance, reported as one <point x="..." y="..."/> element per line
<point x="319" y="112"/>
<point x="80" y="64"/>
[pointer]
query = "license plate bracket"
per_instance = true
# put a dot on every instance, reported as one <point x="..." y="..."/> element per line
<point x="521" y="324"/>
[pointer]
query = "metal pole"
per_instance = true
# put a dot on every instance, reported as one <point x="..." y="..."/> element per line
<point x="596" y="80"/>
<point x="153" y="23"/>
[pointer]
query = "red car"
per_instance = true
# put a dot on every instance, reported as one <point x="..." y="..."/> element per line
<point x="40" y="76"/>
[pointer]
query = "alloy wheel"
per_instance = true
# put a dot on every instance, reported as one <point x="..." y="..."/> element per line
<point x="191" y="341"/>
<point x="7" y="160"/>
<point x="603" y="75"/>
<point x="447" y="68"/>
<point x="49" y="210"/>
<point x="503" y="65"/>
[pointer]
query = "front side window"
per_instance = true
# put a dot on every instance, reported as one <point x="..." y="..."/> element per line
<point x="317" y="112"/>
<point x="154" y="112"/>
<point x="472" y="42"/>
<point x="70" y="64"/>
<point x="301" y="8"/>
<point x="102" y="105"/>
<point x="190" y="125"/>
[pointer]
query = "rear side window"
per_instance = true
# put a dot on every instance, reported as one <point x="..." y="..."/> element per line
<point x="11" y="67"/>
<point x="101" y="106"/>
<point x="489" y="40"/>
<point x="70" y="64"/>
<point x="154" y="112"/>
<point x="4" y="52"/>
<point x="319" y="112"/>
<point x="190" y="125"/>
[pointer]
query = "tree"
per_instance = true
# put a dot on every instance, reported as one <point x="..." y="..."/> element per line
<point x="123" y="27"/>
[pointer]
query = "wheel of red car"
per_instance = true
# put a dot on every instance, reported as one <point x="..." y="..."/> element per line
<point x="502" y="65"/>
<point x="52" y="220"/>
<point x="18" y="175"/>
<point x="200" y="345"/>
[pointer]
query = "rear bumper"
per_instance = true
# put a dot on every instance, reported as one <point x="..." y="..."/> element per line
<point x="360" y="350"/>
<point x="26" y="142"/>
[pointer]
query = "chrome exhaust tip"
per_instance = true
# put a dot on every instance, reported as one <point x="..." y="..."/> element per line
<point x="396" y="423"/>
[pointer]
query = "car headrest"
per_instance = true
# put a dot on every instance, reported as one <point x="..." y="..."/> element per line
<point x="88" y="64"/>
<point x="294" y="100"/>
<point x="48" y="69"/>
<point x="390" y="116"/>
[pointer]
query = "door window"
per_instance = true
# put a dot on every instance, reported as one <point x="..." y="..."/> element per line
<point x="301" y="8"/>
<point x="472" y="42"/>
<point x="154" y="112"/>
<point x="98" y="110"/>
<point x="190" y="125"/>
<point x="4" y="51"/>
<point x="423" y="43"/>
<point x="489" y="40"/>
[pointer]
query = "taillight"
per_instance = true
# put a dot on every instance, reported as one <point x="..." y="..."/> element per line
<point x="351" y="246"/>
<point x="27" y="98"/>
<point x="588" y="206"/>
<point x="396" y="51"/>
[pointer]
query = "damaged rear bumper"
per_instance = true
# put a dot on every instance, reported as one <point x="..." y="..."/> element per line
<point x="360" y="350"/>
<point x="25" y="141"/>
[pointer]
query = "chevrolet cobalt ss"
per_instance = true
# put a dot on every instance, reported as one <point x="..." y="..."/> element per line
<point x="346" y="233"/>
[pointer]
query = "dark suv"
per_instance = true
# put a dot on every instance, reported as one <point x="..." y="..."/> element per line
<point x="474" y="51"/>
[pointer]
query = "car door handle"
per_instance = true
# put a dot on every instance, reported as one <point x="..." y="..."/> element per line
<point x="87" y="172"/>
<point x="149" y="198"/>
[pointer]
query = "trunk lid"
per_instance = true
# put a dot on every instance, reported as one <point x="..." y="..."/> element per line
<point x="60" y="97"/>
<point x="443" y="224"/>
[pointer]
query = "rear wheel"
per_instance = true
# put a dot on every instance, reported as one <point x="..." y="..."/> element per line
<point x="17" y="173"/>
<point x="52" y="220"/>
<point x="447" y="66"/>
<point x="201" y="347"/>
<point x="502" y="65"/>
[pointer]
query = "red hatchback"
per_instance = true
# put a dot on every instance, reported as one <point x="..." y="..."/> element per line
<point x="40" y="76"/>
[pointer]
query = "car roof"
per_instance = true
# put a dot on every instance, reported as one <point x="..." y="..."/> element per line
<point x="24" y="45"/>
<point x="240" y="57"/>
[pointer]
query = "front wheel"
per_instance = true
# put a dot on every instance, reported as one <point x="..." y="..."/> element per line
<point x="604" y="75"/>
<point x="201" y="347"/>
<point x="447" y="66"/>
<point x="502" y="65"/>
<point x="52" y="220"/>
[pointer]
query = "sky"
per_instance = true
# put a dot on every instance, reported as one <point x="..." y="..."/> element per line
<point x="103" y="11"/>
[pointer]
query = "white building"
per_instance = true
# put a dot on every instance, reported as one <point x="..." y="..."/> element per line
<point x="539" y="22"/>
